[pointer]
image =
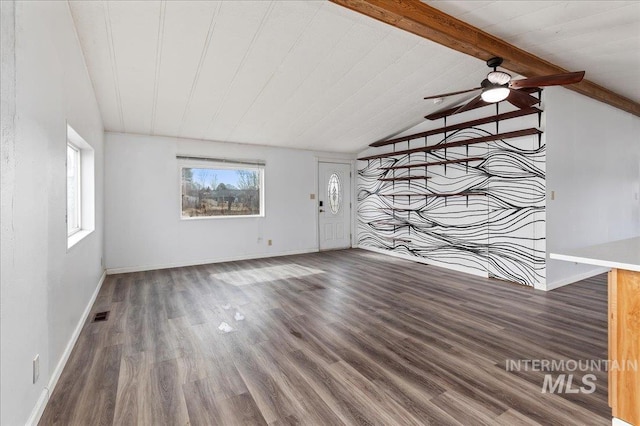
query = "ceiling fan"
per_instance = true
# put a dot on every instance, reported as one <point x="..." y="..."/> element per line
<point x="498" y="86"/>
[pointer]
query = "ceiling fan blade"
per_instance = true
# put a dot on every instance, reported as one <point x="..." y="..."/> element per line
<point x="521" y="100"/>
<point x="472" y="104"/>
<point x="548" y="80"/>
<point x="447" y="111"/>
<point x="453" y="93"/>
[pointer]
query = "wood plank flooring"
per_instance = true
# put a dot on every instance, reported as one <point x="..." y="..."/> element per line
<point x="343" y="337"/>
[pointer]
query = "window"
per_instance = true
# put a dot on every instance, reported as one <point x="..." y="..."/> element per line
<point x="222" y="191"/>
<point x="73" y="189"/>
<point x="334" y="193"/>
<point x="80" y="188"/>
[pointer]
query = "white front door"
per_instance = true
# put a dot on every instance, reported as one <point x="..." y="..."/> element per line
<point x="334" y="203"/>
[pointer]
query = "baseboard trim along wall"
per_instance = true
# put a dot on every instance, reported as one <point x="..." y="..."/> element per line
<point x="575" y="278"/>
<point x="457" y="268"/>
<point x="127" y="269"/>
<point x="34" y="418"/>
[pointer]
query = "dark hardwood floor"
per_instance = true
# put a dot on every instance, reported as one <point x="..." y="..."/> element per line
<point x="343" y="337"/>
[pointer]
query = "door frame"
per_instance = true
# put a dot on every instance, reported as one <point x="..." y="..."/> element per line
<point x="352" y="201"/>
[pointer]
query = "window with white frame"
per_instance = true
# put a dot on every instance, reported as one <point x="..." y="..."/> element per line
<point x="74" y="188"/>
<point x="222" y="190"/>
<point x="80" y="188"/>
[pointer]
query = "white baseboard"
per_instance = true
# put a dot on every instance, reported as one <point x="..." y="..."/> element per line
<point x="127" y="269"/>
<point x="618" y="422"/>
<point x="575" y="278"/>
<point x="37" y="411"/>
<point x="540" y="286"/>
<point x="34" y="418"/>
<point x="456" y="268"/>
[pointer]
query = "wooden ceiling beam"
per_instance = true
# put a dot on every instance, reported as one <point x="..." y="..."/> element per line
<point x="430" y="23"/>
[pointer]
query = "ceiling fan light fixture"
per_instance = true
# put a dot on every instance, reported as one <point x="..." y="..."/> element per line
<point x="499" y="77"/>
<point x="495" y="94"/>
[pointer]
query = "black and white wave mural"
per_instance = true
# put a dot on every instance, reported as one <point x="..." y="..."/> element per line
<point x="494" y="226"/>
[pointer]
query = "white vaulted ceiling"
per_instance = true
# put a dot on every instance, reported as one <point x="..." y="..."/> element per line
<point x="304" y="74"/>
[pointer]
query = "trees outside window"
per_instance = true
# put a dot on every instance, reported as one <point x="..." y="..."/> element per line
<point x="215" y="192"/>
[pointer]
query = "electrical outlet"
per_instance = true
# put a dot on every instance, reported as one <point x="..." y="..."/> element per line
<point x="36" y="369"/>
<point x="553" y="195"/>
<point x="269" y="243"/>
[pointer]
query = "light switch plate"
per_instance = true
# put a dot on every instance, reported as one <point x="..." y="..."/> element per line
<point x="36" y="369"/>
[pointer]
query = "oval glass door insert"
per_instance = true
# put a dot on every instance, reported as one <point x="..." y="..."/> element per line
<point x="335" y="193"/>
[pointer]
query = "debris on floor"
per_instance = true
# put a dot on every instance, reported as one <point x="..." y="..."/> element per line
<point x="238" y="316"/>
<point x="225" y="328"/>
<point x="226" y="307"/>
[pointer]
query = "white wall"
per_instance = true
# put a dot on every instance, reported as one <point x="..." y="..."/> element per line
<point x="45" y="289"/>
<point x="593" y="165"/>
<point x="143" y="210"/>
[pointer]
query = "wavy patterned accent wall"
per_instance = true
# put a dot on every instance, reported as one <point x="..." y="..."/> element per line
<point x="496" y="228"/>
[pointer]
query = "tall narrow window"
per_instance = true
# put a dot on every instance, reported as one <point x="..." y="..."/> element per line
<point x="81" y="197"/>
<point x="74" y="190"/>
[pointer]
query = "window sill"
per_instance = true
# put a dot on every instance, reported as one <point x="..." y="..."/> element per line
<point x="77" y="237"/>
<point x="254" y="216"/>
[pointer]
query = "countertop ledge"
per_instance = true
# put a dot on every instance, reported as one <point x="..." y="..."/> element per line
<point x="622" y="254"/>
